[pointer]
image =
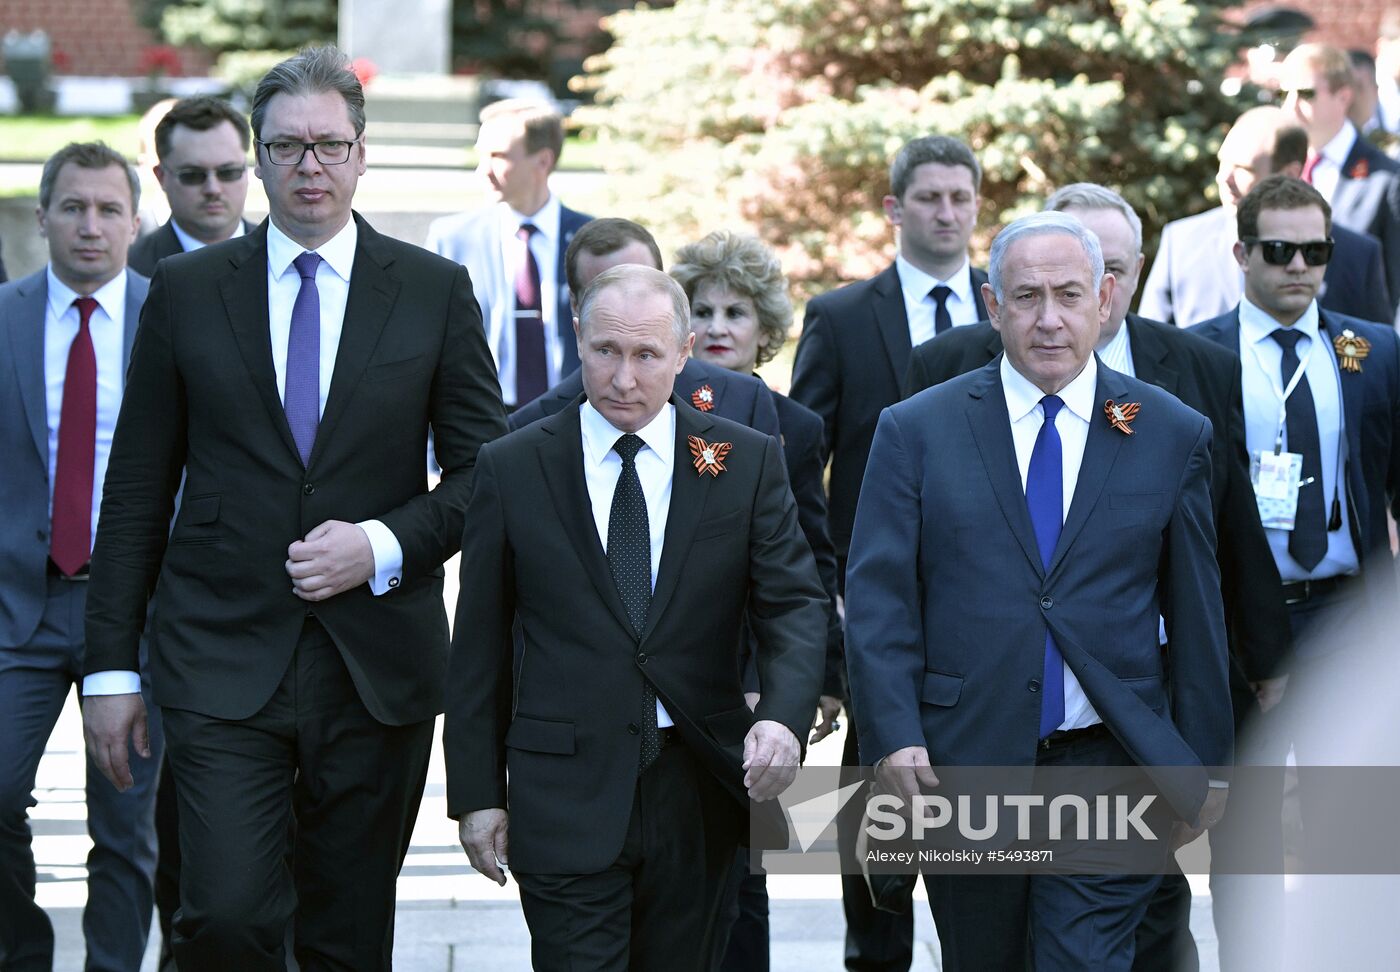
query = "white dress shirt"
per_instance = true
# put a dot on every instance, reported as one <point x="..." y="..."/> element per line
<point x="544" y="244"/>
<point x="107" y="327"/>
<point x="189" y="244"/>
<point x="920" y="308"/>
<point x="655" y="467"/>
<point x="1117" y="354"/>
<point x="1328" y="171"/>
<point x="1261" y="358"/>
<point x="1072" y="423"/>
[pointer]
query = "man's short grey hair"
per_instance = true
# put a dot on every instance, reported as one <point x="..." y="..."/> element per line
<point x="940" y="149"/>
<point x="1091" y="195"/>
<point x="1043" y="224"/>
<point x="312" y="70"/>
<point x="87" y="155"/>
<point x="644" y="278"/>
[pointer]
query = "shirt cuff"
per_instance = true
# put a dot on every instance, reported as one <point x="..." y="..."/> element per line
<point x="112" y="683"/>
<point x="1219" y="784"/>
<point x="388" y="557"/>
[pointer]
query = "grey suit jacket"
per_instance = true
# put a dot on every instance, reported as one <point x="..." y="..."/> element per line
<point x="24" y="441"/>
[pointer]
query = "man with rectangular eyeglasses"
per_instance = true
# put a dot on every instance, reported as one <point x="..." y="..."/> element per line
<point x="202" y="144"/>
<point x="1321" y="395"/>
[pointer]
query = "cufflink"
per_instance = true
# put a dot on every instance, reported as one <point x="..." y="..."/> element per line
<point x="393" y="582"/>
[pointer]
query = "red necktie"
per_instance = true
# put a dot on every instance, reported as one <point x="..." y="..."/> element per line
<point x="71" y="544"/>
<point x="1309" y="165"/>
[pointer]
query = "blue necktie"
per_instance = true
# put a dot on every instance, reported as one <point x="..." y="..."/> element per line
<point x="301" y="397"/>
<point x="1045" y="498"/>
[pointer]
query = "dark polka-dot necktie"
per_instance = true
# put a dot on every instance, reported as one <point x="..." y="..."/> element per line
<point x="629" y="556"/>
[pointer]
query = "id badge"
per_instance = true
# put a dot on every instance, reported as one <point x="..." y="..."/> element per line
<point x="1276" y="477"/>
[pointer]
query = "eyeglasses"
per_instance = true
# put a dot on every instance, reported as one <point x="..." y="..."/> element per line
<point x="1279" y="253"/>
<point x="1304" y="94"/>
<point x="291" y="153"/>
<point x="197" y="177"/>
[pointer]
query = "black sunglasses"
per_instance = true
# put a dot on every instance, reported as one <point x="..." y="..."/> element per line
<point x="197" y="177"/>
<point x="1279" y="253"/>
<point x="1304" y="94"/>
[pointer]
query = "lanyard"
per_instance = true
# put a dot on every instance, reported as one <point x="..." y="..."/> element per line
<point x="1282" y="393"/>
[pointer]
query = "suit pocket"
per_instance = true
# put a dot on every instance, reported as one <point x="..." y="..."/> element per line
<point x="942" y="689"/>
<point x="197" y="516"/>
<point x="397" y="369"/>
<point x="721" y="525"/>
<point x="541" y="736"/>
<point x="1150" y="689"/>
<point x="730" y="726"/>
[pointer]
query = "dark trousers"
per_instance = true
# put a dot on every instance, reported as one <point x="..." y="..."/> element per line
<point x="742" y="942"/>
<point x="354" y="785"/>
<point x="656" y="907"/>
<point x="1045" y="921"/>
<point x="34" y="682"/>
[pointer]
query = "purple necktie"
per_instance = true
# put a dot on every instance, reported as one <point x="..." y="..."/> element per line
<point x="531" y="374"/>
<point x="1045" y="491"/>
<point x="302" y="400"/>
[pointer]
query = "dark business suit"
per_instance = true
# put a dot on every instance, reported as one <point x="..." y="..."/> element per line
<point x="1256" y="618"/>
<point x="739" y="398"/>
<point x="732" y="550"/>
<point x="40" y="659"/>
<point x="1195" y="275"/>
<point x="231" y="642"/>
<point x="1367" y="200"/>
<point x="850" y="364"/>
<point x="473" y="239"/>
<point x="155" y="246"/>
<point x="949" y="654"/>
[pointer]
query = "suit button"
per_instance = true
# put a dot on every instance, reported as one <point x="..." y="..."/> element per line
<point x="633" y="728"/>
<point x="642" y="658"/>
<point x="1047" y="602"/>
<point x="308" y="489"/>
<point x="1033" y="685"/>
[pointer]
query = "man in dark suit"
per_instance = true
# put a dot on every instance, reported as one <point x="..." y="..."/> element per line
<point x="66" y="332"/>
<point x="300" y="641"/>
<point x="202" y="144"/>
<point x="1195" y="276"/>
<point x="1339" y="379"/>
<point x="1359" y="181"/>
<point x="1207" y="379"/>
<point x="515" y="247"/>
<point x="604" y="243"/>
<point x="850" y="363"/>
<point x="1017" y="623"/>
<point x="662" y="528"/>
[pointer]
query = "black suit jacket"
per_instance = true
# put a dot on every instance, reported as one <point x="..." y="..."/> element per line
<point x="202" y="400"/>
<point x="850" y="364"/>
<point x="154" y="247"/>
<point x="1201" y="376"/>
<point x="532" y="551"/>
<point x="1367" y="200"/>
<point x="739" y="398"/>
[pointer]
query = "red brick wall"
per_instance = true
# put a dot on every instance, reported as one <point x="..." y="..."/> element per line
<point x="90" y="37"/>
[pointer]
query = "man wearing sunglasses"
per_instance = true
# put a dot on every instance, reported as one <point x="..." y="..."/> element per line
<point x="1321" y="396"/>
<point x="1359" y="181"/>
<point x="202" y="145"/>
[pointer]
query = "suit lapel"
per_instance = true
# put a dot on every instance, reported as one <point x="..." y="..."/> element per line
<point x="1151" y="355"/>
<point x="561" y="467"/>
<point x="27" y="352"/>
<point x="991" y="430"/>
<point x="688" y="494"/>
<point x="692" y="379"/>
<point x="892" y="321"/>
<point x="1100" y="451"/>
<point x="978" y="279"/>
<point x="132" y="320"/>
<point x="372" y="294"/>
<point x="1353" y="395"/>
<point x="244" y="292"/>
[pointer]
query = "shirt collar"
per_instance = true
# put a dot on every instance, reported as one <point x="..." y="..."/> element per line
<point x="546" y="221"/>
<point x="1256" y="325"/>
<point x="338" y="252"/>
<point x="599" y="435"/>
<point x="111" y="296"/>
<point x="1337" y="150"/>
<point x="189" y="244"/>
<point x="916" y="283"/>
<point x="1022" y="396"/>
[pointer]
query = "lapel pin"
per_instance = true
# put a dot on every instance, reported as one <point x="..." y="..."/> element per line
<point x="1360" y="170"/>
<point x="709" y="456"/>
<point x="703" y="398"/>
<point x="1351" y="350"/>
<point x="1121" y="416"/>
